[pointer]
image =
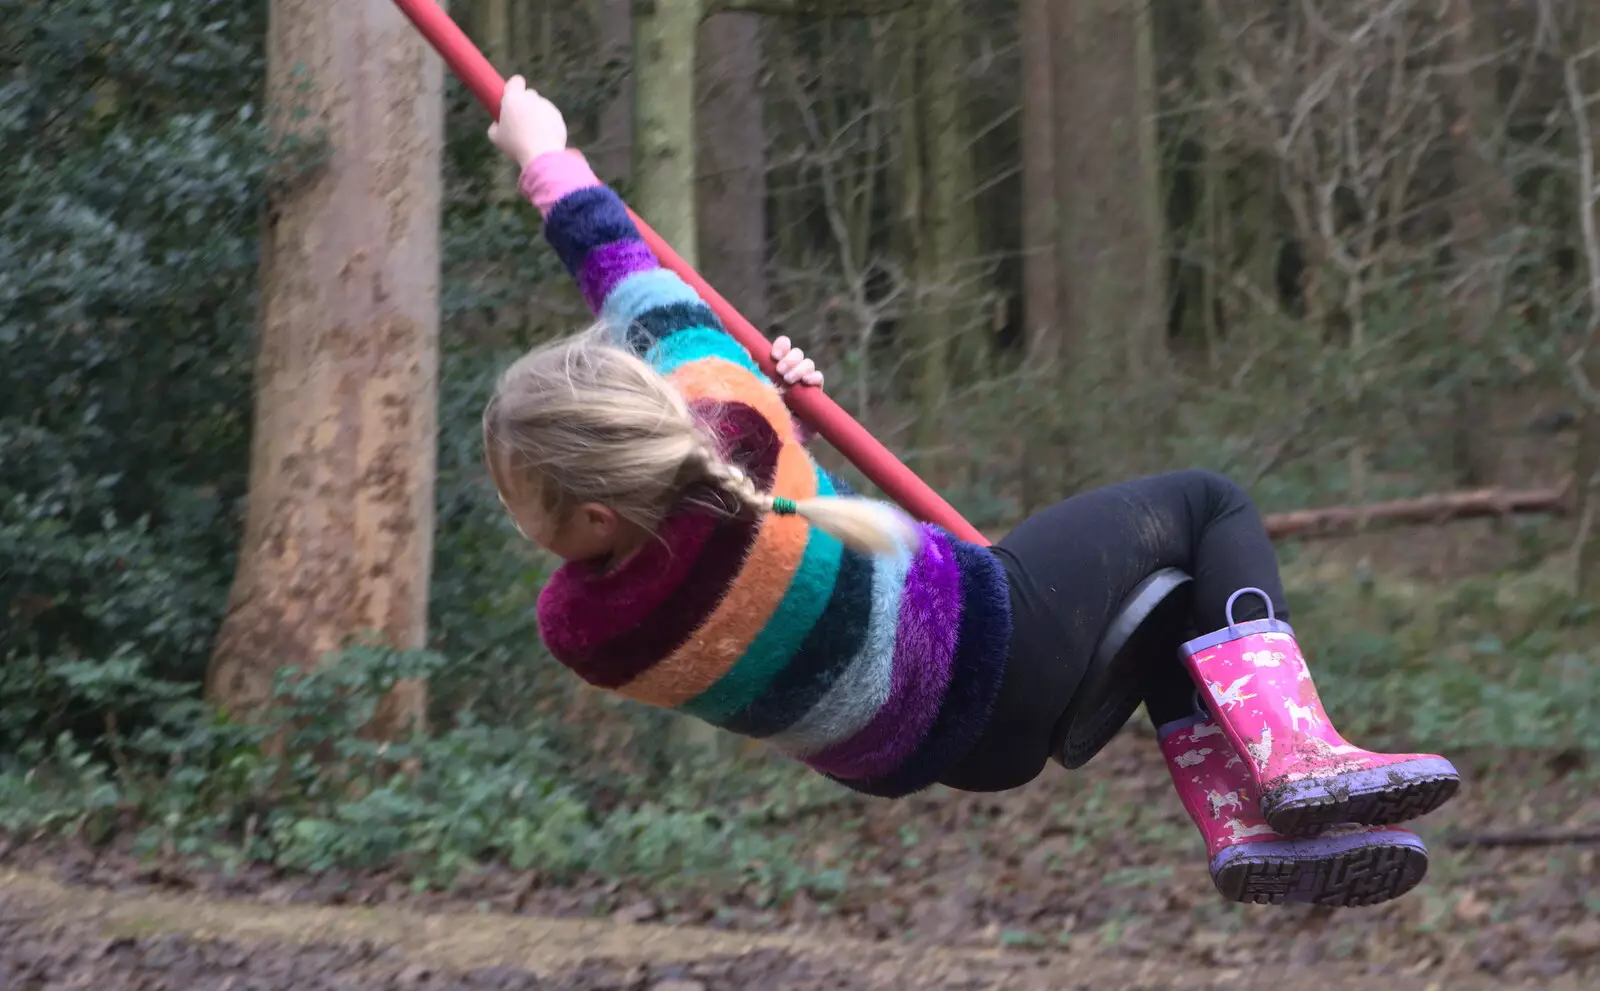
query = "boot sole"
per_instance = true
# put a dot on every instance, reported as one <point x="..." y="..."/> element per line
<point x="1347" y="871"/>
<point x="1380" y="796"/>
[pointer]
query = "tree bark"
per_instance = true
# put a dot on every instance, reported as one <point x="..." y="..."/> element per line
<point x="1215" y="257"/>
<point x="732" y="181"/>
<point x="612" y="154"/>
<point x="664" y="36"/>
<point x="338" y="535"/>
<point x="925" y="101"/>
<point x="1481" y="210"/>
<point x="1582" y="76"/>
<point x="953" y="191"/>
<point x="1107" y="257"/>
<point x="496" y="18"/>
<point x="1039" y="310"/>
<point x="1149" y="352"/>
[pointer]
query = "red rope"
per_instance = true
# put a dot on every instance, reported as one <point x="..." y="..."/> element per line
<point x="813" y="405"/>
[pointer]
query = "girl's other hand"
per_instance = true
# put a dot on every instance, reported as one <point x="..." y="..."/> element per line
<point x="793" y="365"/>
<point x="529" y="125"/>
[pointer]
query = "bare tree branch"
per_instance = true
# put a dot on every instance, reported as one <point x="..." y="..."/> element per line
<point x="809" y="8"/>
<point x="1525" y="840"/>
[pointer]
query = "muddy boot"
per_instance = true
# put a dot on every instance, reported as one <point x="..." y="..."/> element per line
<point x="1250" y="862"/>
<point x="1259" y="691"/>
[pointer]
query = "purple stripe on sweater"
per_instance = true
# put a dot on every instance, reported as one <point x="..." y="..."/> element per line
<point x="608" y="265"/>
<point x="925" y="644"/>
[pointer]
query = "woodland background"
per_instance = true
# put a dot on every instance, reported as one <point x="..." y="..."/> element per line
<point x="1343" y="250"/>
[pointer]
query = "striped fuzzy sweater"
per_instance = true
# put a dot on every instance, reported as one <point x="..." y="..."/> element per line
<point x="880" y="672"/>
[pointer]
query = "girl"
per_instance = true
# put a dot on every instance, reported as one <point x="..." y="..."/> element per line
<point x="712" y="567"/>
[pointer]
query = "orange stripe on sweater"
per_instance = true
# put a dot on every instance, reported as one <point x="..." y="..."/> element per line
<point x="774" y="556"/>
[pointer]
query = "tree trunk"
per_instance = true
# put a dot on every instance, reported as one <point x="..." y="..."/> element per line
<point x="1586" y="475"/>
<point x="954" y="198"/>
<point x="1583" y="82"/>
<point x="1215" y="259"/>
<point x="612" y="153"/>
<point x="496" y="18"/>
<point x="732" y="182"/>
<point x="938" y="219"/>
<point x="1107" y="245"/>
<point x="1039" y="310"/>
<point x="1481" y="210"/>
<point x="664" y="35"/>
<point x="1148" y="354"/>
<point x="338" y="536"/>
<point x="926" y="102"/>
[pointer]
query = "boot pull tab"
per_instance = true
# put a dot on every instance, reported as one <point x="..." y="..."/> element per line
<point x="1232" y="626"/>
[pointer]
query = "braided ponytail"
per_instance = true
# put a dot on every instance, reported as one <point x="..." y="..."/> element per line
<point x="864" y="525"/>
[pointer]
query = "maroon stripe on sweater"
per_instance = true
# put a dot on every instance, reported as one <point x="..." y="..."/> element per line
<point x="682" y="576"/>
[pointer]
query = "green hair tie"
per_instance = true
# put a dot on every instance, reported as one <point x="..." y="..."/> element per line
<point x="784" y="507"/>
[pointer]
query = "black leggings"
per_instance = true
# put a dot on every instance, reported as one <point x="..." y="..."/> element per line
<point x="1070" y="568"/>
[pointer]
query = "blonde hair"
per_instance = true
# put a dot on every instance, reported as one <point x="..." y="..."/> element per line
<point x="582" y="420"/>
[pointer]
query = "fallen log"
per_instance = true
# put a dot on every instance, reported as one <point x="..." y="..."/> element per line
<point x="1422" y="510"/>
<point x="1330" y="521"/>
<point x="1523" y="840"/>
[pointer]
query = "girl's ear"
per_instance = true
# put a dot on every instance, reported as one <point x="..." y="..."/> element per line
<point x="602" y="519"/>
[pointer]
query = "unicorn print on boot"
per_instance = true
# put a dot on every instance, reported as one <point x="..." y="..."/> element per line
<point x="1252" y="862"/>
<point x="1260" y="692"/>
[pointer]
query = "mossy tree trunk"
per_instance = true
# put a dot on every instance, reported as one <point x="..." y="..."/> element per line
<point x="664" y="35"/>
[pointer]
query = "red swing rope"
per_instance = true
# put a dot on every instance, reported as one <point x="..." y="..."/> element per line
<point x="813" y="405"/>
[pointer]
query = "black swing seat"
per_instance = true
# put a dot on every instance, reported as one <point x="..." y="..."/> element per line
<point x="1143" y="637"/>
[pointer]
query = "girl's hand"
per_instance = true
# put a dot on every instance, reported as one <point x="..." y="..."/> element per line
<point x="529" y="125"/>
<point x="793" y="364"/>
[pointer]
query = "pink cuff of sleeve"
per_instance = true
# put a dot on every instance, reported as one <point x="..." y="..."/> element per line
<point x="553" y="175"/>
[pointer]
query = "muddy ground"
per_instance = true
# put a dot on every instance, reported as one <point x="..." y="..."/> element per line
<point x="1091" y="880"/>
<point x="54" y="936"/>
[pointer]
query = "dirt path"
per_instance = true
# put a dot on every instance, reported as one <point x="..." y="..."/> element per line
<point x="53" y="936"/>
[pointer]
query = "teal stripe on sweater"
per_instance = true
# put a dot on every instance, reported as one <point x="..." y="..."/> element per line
<point x="640" y="293"/>
<point x="694" y="343"/>
<point x="798" y="611"/>
<point x="853" y="700"/>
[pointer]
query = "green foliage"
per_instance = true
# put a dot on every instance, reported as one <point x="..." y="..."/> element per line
<point x="1504" y="661"/>
<point x="130" y="193"/>
<point x="193" y="784"/>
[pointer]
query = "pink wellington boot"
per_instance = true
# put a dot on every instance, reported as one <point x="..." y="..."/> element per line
<point x="1307" y="775"/>
<point x="1250" y="862"/>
